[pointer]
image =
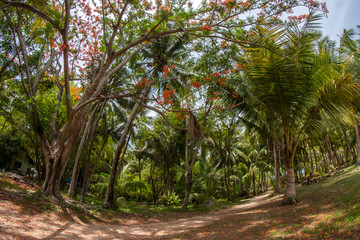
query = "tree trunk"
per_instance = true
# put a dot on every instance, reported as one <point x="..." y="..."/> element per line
<point x="55" y="170"/>
<point x="188" y="185"/>
<point x="350" y="149"/>
<point x="86" y="174"/>
<point x="188" y="181"/>
<point x="331" y="153"/>
<point x="141" y="195"/>
<point x="314" y="155"/>
<point x="153" y="185"/>
<point x="324" y="160"/>
<point x="357" y="144"/>
<point x="99" y="153"/>
<point x="277" y="169"/>
<point x="311" y="159"/>
<point x="109" y="198"/>
<point x="254" y="184"/>
<point x="57" y="155"/>
<point x="290" y="192"/>
<point x="93" y="127"/>
<point x="72" y="188"/>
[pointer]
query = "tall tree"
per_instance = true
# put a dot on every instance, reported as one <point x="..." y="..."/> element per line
<point x="108" y="35"/>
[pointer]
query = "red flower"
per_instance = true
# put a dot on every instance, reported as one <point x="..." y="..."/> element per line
<point x="205" y="27"/>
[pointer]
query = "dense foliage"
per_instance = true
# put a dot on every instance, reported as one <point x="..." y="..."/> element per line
<point x="170" y="103"/>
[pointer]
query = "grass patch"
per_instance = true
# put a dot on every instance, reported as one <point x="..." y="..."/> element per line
<point x="150" y="209"/>
<point x="5" y="184"/>
<point x="328" y="210"/>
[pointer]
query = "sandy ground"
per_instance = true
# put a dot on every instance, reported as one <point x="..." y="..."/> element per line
<point x="17" y="222"/>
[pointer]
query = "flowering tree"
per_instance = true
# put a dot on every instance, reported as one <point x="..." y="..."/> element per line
<point x="85" y="44"/>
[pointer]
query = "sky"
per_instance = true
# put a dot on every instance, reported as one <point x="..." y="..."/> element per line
<point x="342" y="14"/>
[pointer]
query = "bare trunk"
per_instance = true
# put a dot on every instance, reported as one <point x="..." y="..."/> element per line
<point x="74" y="176"/>
<point x="324" y="160"/>
<point x="99" y="153"/>
<point x="331" y="153"/>
<point x="311" y="160"/>
<point x="290" y="192"/>
<point x="188" y="181"/>
<point x="93" y="127"/>
<point x="277" y="169"/>
<point x="86" y="176"/>
<point x="153" y="185"/>
<point x="188" y="185"/>
<point x="141" y="195"/>
<point x="254" y="184"/>
<point x="314" y="155"/>
<point x="350" y="149"/>
<point x="109" y="198"/>
<point x="357" y="144"/>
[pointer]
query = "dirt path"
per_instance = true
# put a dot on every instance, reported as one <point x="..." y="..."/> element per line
<point x="17" y="222"/>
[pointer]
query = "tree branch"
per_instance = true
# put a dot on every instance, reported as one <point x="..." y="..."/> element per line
<point x="34" y="10"/>
<point x="161" y="113"/>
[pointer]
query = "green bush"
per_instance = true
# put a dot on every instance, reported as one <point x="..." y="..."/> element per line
<point x="170" y="199"/>
<point x="196" y="198"/>
<point x="120" y="201"/>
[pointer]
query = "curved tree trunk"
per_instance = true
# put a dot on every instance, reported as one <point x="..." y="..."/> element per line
<point x="109" y="198"/>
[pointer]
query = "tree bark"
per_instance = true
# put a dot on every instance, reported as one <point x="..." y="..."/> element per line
<point x="93" y="127"/>
<point x="109" y="198"/>
<point x="290" y="192"/>
<point x="141" y="194"/>
<point x="350" y="149"/>
<point x="72" y="188"/>
<point x="311" y="159"/>
<point x="188" y="185"/>
<point x="188" y="181"/>
<point x="356" y="128"/>
<point x="277" y="169"/>
<point x="324" y="160"/>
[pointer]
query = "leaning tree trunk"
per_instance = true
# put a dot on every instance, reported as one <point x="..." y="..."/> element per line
<point x="109" y="198"/>
<point x="74" y="175"/>
<point x="93" y="126"/>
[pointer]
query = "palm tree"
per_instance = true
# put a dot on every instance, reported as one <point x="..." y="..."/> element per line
<point x="160" y="54"/>
<point x="297" y="87"/>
